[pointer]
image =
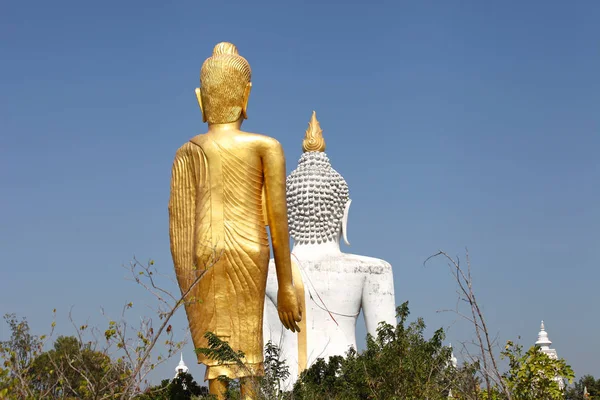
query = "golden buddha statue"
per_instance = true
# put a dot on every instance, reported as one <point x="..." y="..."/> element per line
<point x="226" y="185"/>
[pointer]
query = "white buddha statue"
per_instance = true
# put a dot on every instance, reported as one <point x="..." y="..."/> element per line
<point x="336" y="286"/>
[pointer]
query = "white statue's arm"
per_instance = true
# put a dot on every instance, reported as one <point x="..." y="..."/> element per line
<point x="271" y="289"/>
<point x="378" y="301"/>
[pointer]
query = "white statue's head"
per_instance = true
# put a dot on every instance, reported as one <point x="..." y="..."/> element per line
<point x="317" y="195"/>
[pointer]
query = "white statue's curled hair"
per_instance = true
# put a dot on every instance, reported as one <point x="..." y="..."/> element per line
<point x="316" y="198"/>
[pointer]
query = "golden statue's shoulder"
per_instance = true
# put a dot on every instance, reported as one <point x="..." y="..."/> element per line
<point x="262" y="139"/>
<point x="238" y="139"/>
<point x="187" y="148"/>
<point x="239" y="136"/>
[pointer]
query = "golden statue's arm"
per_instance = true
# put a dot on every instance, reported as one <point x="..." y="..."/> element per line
<point x="185" y="178"/>
<point x="273" y="160"/>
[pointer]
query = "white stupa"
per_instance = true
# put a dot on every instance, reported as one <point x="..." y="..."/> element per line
<point x="453" y="359"/>
<point x="454" y="362"/>
<point x="181" y="367"/>
<point x="544" y="343"/>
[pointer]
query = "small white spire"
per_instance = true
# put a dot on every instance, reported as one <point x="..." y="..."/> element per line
<point x="453" y="359"/>
<point x="181" y="368"/>
<point x="586" y="395"/>
<point x="450" y="394"/>
<point x="543" y="340"/>
<point x="544" y="344"/>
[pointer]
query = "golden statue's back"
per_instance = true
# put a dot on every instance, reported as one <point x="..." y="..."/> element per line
<point x="231" y="240"/>
<point x="225" y="186"/>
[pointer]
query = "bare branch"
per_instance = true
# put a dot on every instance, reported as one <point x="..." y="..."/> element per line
<point x="464" y="279"/>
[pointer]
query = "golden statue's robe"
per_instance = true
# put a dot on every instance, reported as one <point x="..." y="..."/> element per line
<point x="217" y="225"/>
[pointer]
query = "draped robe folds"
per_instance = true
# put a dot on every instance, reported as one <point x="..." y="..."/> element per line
<point x="217" y="226"/>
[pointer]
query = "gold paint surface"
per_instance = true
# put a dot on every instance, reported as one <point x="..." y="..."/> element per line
<point x="302" y="339"/>
<point x="225" y="185"/>
<point x="313" y="138"/>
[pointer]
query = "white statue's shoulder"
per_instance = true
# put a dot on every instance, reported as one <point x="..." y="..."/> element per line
<point x="369" y="264"/>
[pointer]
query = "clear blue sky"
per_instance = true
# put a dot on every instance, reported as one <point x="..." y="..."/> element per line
<point x="455" y="124"/>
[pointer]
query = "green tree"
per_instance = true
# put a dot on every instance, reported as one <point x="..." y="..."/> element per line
<point x="182" y="387"/>
<point x="276" y="371"/>
<point x="533" y="375"/>
<point x="69" y="370"/>
<point x="72" y="369"/>
<point x="467" y="382"/>
<point x="158" y="392"/>
<point x="17" y="355"/>
<point x="399" y="363"/>
<point x="587" y="381"/>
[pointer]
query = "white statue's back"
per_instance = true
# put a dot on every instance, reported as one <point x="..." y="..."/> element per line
<point x="336" y="287"/>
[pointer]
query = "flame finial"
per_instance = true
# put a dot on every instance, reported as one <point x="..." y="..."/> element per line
<point x="313" y="139"/>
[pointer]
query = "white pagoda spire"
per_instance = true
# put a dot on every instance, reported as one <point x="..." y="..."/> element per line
<point x="543" y="340"/>
<point x="453" y="359"/>
<point x="181" y="368"/>
<point x="454" y="362"/>
<point x="544" y="343"/>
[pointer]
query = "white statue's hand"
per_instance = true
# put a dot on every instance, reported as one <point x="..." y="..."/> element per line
<point x="288" y="308"/>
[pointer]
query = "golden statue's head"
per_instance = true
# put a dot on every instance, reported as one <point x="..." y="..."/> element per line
<point x="224" y="85"/>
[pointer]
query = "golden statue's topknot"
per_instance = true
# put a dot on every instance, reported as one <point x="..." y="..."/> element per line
<point x="224" y="78"/>
<point x="225" y="48"/>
